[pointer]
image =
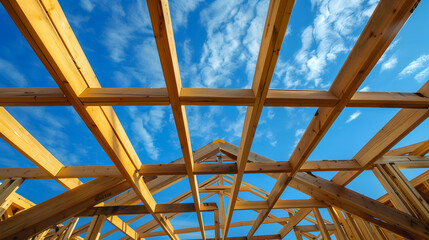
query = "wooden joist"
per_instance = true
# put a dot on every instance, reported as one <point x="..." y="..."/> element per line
<point x="272" y="39"/>
<point x="163" y="31"/>
<point x="141" y="209"/>
<point x="26" y="97"/>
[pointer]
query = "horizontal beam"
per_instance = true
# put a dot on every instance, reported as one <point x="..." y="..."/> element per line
<point x="179" y="169"/>
<point x="141" y="209"/>
<point x="313" y="228"/>
<point x="207" y="96"/>
<point x="280" y="204"/>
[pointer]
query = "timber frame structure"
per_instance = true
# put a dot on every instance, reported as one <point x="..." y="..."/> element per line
<point x="118" y="190"/>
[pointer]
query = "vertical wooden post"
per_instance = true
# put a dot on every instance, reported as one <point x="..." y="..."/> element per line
<point x="321" y="224"/>
<point x="70" y="228"/>
<point x="95" y="227"/>
<point x="340" y="234"/>
<point x="297" y="235"/>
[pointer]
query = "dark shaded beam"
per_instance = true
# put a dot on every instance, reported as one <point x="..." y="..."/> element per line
<point x="141" y="209"/>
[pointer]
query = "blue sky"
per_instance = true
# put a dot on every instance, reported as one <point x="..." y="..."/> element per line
<point x="217" y="45"/>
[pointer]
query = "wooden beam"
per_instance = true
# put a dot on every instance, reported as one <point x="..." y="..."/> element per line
<point x="341" y="234"/>
<point x="141" y="209"/>
<point x="163" y="31"/>
<point x="207" y="97"/>
<point x="148" y="170"/>
<point x="8" y="187"/>
<point x="64" y="206"/>
<point x="321" y="225"/>
<point x="95" y="227"/>
<point x="272" y="38"/>
<point x="298" y="217"/>
<point x="386" y="21"/>
<point x="123" y="227"/>
<point x="313" y="228"/>
<point x="52" y="39"/>
<point x="360" y="205"/>
<point x="281" y="204"/>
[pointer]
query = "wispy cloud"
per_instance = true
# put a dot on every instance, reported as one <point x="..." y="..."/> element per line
<point x="353" y="116"/>
<point x="146" y="124"/>
<point x="11" y="75"/>
<point x="419" y="67"/>
<point x="234" y="32"/>
<point x="365" y="89"/>
<point x="389" y="64"/>
<point x="87" y="5"/>
<point x="330" y="35"/>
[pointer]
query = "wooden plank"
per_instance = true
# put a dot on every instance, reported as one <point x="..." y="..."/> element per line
<point x="32" y="97"/>
<point x="95" y="227"/>
<point x="141" y="209"/>
<point x="125" y="97"/>
<point x="207" y="97"/>
<point x="360" y="205"/>
<point x="298" y="217"/>
<point x="341" y="235"/>
<point x="422" y="150"/>
<point x="163" y="31"/>
<point x="272" y="38"/>
<point x="55" y="210"/>
<point x="71" y="225"/>
<point x="281" y="204"/>
<point x="123" y="227"/>
<point x="9" y="187"/>
<point x="321" y="225"/>
<point x="313" y="228"/>
<point x="147" y="170"/>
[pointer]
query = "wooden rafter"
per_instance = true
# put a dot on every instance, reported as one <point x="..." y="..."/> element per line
<point x="163" y="31"/>
<point x="272" y="38"/>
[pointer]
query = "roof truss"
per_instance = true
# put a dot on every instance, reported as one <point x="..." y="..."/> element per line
<point x="44" y="25"/>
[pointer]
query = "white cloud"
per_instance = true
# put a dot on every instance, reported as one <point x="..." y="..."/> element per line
<point x="234" y="32"/>
<point x="416" y="65"/>
<point x="365" y="89"/>
<point x="146" y="138"/>
<point x="271" y="138"/>
<point x="180" y="10"/>
<point x="353" y="116"/>
<point x="389" y="64"/>
<point x="423" y="75"/>
<point x="87" y="5"/>
<point x="11" y="75"/>
<point x="330" y="35"/>
<point x="270" y="113"/>
<point x="299" y="132"/>
<point x="146" y="124"/>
